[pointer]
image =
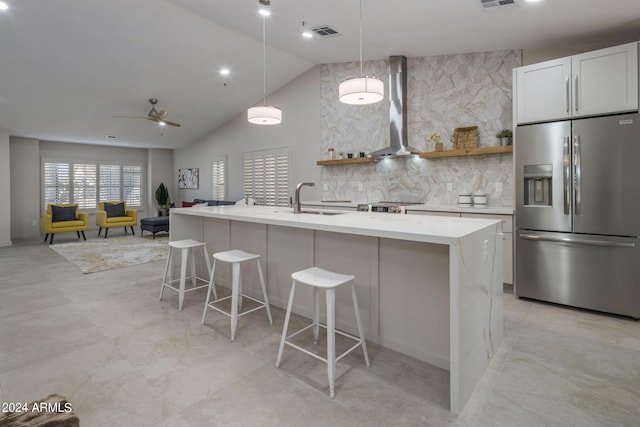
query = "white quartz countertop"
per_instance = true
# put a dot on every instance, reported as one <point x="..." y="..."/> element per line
<point x="489" y="210"/>
<point x="421" y="228"/>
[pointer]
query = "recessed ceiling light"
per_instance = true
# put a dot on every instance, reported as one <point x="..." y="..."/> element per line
<point x="224" y="71"/>
<point x="3" y="6"/>
<point x="307" y="34"/>
<point x="264" y="12"/>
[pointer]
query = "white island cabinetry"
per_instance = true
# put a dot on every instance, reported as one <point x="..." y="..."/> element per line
<point x="429" y="287"/>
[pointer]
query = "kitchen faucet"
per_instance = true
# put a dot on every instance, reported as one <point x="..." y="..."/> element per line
<point x="296" y="197"/>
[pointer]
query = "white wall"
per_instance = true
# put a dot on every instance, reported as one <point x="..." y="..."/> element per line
<point x="5" y="189"/>
<point x="25" y="188"/>
<point x="300" y="130"/>
<point x="159" y="170"/>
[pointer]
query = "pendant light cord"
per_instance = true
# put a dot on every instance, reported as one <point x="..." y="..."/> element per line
<point x="264" y="61"/>
<point x="361" y="38"/>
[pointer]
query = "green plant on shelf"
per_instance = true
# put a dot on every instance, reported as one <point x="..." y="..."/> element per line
<point x="504" y="133"/>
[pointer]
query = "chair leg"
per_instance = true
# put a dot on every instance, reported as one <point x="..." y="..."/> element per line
<point x="264" y="292"/>
<point x="212" y="287"/>
<point x="78" y="233"/>
<point x="183" y="275"/>
<point x="359" y="322"/>
<point x="106" y="231"/>
<point x="46" y="236"/>
<point x="235" y="291"/>
<point x="166" y="271"/>
<point x="133" y="231"/>
<point x="125" y="230"/>
<point x="331" y="340"/>
<point x="99" y="231"/>
<point x="83" y="236"/>
<point x="286" y="324"/>
<point x="316" y="314"/>
<point x="51" y="238"/>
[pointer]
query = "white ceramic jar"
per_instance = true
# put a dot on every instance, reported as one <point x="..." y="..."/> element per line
<point x="464" y="199"/>
<point x="480" y="198"/>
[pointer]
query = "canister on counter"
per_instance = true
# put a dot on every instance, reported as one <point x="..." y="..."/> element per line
<point x="480" y="198"/>
<point x="464" y="199"/>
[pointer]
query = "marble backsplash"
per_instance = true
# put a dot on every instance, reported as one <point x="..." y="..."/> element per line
<point x="444" y="92"/>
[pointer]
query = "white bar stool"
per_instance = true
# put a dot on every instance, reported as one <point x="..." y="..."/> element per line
<point x="319" y="278"/>
<point x="184" y="246"/>
<point x="235" y="257"/>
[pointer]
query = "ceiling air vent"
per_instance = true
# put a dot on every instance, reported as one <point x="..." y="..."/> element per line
<point x="495" y="4"/>
<point x="325" y="31"/>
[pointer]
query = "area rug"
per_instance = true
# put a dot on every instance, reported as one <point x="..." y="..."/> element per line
<point x="115" y="252"/>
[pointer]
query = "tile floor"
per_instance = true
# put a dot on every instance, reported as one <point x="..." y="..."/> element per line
<point x="124" y="358"/>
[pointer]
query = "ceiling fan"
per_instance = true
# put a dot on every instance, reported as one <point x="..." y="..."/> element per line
<point x="153" y="115"/>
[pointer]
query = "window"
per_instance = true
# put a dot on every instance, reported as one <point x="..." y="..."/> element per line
<point x="87" y="183"/>
<point x="109" y="182"/>
<point x="266" y="176"/>
<point x="57" y="183"/>
<point x="219" y="178"/>
<point x="132" y="184"/>
<point x="84" y="185"/>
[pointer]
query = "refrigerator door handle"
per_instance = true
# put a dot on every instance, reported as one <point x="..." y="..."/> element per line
<point x="579" y="241"/>
<point x="577" y="174"/>
<point x="566" y="174"/>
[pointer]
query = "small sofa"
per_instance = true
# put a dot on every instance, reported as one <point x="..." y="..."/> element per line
<point x="62" y="218"/>
<point x="115" y="214"/>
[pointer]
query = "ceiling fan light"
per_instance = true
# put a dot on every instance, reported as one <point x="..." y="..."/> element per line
<point x="264" y="115"/>
<point x="161" y="123"/>
<point x="361" y="91"/>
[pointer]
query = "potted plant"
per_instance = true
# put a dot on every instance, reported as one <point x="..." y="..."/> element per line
<point x="505" y="136"/>
<point x="164" y="200"/>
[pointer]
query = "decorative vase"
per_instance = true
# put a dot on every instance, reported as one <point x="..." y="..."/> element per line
<point x="505" y="141"/>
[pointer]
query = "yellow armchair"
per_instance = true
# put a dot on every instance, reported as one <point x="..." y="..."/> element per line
<point x="115" y="214"/>
<point x="64" y="217"/>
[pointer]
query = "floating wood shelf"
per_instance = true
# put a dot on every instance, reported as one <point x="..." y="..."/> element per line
<point x="345" y="161"/>
<point x="468" y="152"/>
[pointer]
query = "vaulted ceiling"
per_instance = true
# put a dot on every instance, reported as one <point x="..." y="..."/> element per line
<point x="68" y="66"/>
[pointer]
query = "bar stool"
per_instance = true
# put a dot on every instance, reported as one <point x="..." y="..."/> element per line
<point x="235" y="257"/>
<point x="184" y="246"/>
<point x="319" y="278"/>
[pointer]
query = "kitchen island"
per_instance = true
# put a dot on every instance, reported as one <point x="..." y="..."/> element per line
<point x="428" y="286"/>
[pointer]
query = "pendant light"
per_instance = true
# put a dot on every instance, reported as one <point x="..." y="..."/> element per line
<point x="361" y="90"/>
<point x="264" y="114"/>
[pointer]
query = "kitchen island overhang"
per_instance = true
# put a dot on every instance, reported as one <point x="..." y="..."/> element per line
<point x="429" y="287"/>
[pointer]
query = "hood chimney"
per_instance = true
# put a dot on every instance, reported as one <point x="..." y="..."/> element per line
<point x="399" y="142"/>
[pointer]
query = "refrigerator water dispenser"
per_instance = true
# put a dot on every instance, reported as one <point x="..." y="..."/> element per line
<point x="537" y="185"/>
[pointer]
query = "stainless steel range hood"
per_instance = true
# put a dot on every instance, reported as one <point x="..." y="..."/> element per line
<point x="399" y="142"/>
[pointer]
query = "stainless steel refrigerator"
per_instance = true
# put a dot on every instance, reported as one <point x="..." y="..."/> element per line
<point x="578" y="213"/>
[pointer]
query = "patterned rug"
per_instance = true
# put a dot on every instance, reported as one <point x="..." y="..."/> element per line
<point x="115" y="252"/>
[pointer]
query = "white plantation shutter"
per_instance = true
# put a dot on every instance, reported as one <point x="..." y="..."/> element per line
<point x="57" y="183"/>
<point x="219" y="178"/>
<point x="132" y="185"/>
<point x="110" y="183"/>
<point x="266" y="176"/>
<point x="85" y="185"/>
<point x="88" y="182"/>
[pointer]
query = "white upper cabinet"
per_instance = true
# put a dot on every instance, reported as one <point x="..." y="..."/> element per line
<point x="599" y="82"/>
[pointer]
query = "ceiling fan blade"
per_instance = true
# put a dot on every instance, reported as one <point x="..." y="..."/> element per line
<point x="172" y="123"/>
<point x="161" y="114"/>
<point x="130" y="117"/>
